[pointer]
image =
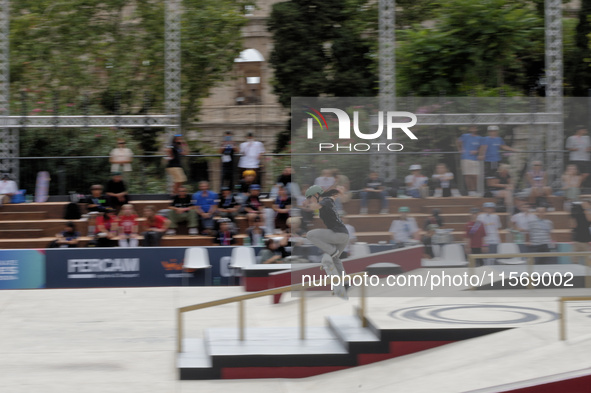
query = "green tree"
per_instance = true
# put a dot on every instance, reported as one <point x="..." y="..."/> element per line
<point x="578" y="61"/>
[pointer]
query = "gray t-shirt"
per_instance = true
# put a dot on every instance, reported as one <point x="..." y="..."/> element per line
<point x="539" y="231"/>
<point x="581" y="143"/>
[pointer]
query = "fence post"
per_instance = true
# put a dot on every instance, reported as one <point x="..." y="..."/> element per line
<point x="562" y="312"/>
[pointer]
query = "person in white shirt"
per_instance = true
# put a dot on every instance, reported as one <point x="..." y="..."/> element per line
<point x="444" y="182"/>
<point x="120" y="159"/>
<point x="579" y="146"/>
<point x="405" y="229"/>
<point x="520" y="223"/>
<point x="8" y="188"/>
<point x="492" y="224"/>
<point x="416" y="183"/>
<point x="252" y="152"/>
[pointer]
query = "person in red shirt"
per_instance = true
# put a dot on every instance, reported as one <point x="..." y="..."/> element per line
<point x="154" y="227"/>
<point x="106" y="228"/>
<point x="475" y="232"/>
<point x="128" y="228"/>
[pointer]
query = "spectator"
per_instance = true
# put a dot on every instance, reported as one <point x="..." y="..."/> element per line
<point x="374" y="189"/>
<point x="416" y="183"/>
<point x="106" y="228"/>
<point x="68" y="238"/>
<point x="205" y="204"/>
<point x="284" y="178"/>
<point x="475" y="234"/>
<point x="120" y="159"/>
<point x="579" y="146"/>
<point x="253" y="206"/>
<point x="432" y="224"/>
<point x="256" y="233"/>
<point x="116" y="191"/>
<point x="8" y="188"/>
<point x="571" y="183"/>
<point x="342" y="182"/>
<point x="96" y="201"/>
<point x="326" y="180"/>
<point x="248" y="179"/>
<point x="490" y="151"/>
<point x="520" y="225"/>
<point x="469" y="145"/>
<point x="580" y="222"/>
<point x="225" y="236"/>
<point x="537" y="180"/>
<point x="405" y="229"/>
<point x="492" y="224"/>
<point x="182" y="210"/>
<point x="501" y="185"/>
<point x="177" y="148"/>
<point x="540" y="235"/>
<point x="128" y="227"/>
<point x="282" y="208"/>
<point x="251" y="151"/>
<point x="154" y="227"/>
<point x="227" y="207"/>
<point x="270" y="253"/>
<point x="443" y="181"/>
<point x="227" y="151"/>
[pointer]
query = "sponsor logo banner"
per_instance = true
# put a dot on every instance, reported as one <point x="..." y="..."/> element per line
<point x="22" y="269"/>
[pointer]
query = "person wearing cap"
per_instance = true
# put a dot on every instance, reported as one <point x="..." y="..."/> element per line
<point x="253" y="206"/>
<point x="227" y="207"/>
<point x="227" y="151"/>
<point x="177" y="148"/>
<point x="225" y="236"/>
<point x="579" y="147"/>
<point x="492" y="224"/>
<point x="96" y="201"/>
<point x="404" y="229"/>
<point x="374" y="189"/>
<point x="416" y="183"/>
<point x="182" y="210"/>
<point x="116" y="191"/>
<point x="333" y="239"/>
<point x="248" y="179"/>
<point x="205" y="205"/>
<point x="469" y="145"/>
<point x="120" y="159"/>
<point x="490" y="151"/>
<point x="540" y="235"/>
<point x="475" y="234"/>
<point x="8" y="188"/>
<point x="252" y="152"/>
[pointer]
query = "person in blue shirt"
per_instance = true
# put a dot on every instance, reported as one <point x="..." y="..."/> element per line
<point x="490" y="151"/>
<point x="206" y="206"/>
<point x="469" y="145"/>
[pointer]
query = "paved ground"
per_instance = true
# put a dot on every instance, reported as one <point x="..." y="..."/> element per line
<point x="123" y="340"/>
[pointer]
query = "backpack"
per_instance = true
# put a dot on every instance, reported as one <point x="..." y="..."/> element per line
<point x="72" y="211"/>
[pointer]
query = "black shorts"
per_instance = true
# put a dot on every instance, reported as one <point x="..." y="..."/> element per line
<point x="582" y="166"/>
<point x="490" y="168"/>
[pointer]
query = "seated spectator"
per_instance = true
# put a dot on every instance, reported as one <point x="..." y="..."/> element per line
<point x="580" y="220"/>
<point x="128" y="228"/>
<point x="443" y="182"/>
<point x="256" y="233"/>
<point x="253" y="206"/>
<point x="225" y="236"/>
<point x="227" y="207"/>
<point x="540" y="235"/>
<point x="520" y="224"/>
<point x="154" y="227"/>
<point x="106" y="228"/>
<point x="404" y="229"/>
<point x="248" y="179"/>
<point x="206" y="206"/>
<point x="284" y="179"/>
<point x="475" y="234"/>
<point x="374" y="189"/>
<point x="571" y="183"/>
<point x="68" y="238"/>
<point x="492" y="224"/>
<point x="539" y="190"/>
<point x="282" y="208"/>
<point x="270" y="253"/>
<point x="116" y="191"/>
<point x="432" y="224"/>
<point x="96" y="201"/>
<point x="182" y="210"/>
<point x="501" y="185"/>
<point x="416" y="183"/>
<point x="344" y="185"/>
<point x="8" y="189"/>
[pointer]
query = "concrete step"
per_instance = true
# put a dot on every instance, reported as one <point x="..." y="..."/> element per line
<point x="22" y="215"/>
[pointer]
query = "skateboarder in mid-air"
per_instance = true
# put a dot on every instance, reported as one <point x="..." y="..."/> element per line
<point x="332" y="240"/>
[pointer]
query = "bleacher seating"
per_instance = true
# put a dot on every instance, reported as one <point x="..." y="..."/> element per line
<point x="34" y="225"/>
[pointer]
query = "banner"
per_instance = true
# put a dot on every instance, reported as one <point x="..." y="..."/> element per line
<point x="22" y="269"/>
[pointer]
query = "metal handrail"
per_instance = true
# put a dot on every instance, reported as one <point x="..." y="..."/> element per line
<point x="562" y="312"/>
<point x="267" y="292"/>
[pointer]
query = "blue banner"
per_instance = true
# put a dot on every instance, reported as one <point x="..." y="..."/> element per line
<point x="22" y="269"/>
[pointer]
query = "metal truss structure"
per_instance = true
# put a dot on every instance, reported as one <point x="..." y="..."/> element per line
<point x="11" y="125"/>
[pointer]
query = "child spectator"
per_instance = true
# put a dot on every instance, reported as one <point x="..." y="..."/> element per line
<point x="128" y="228"/>
<point x="106" y="228"/>
<point x="154" y="227"/>
<point x="182" y="209"/>
<point x="520" y="224"/>
<point x="256" y="233"/>
<point x="225" y="236"/>
<point x="443" y="181"/>
<point x="96" y="201"/>
<point x="68" y="238"/>
<point x="416" y="183"/>
<point x="253" y="206"/>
